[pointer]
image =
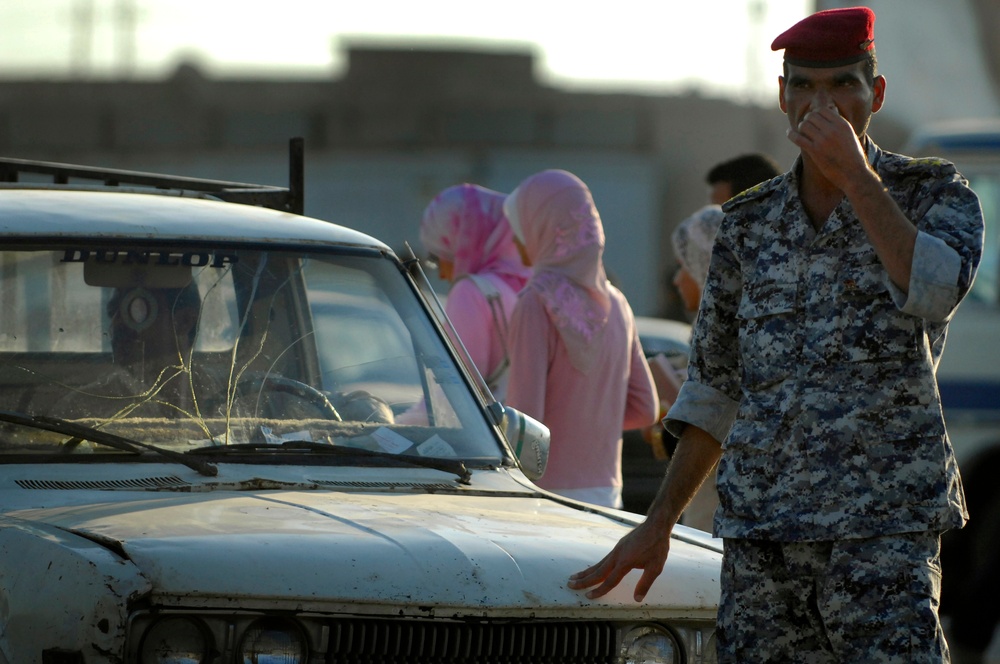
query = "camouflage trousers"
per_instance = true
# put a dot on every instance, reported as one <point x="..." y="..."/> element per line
<point x="845" y="601"/>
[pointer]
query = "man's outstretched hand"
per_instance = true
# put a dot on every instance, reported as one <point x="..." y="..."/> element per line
<point x="644" y="548"/>
<point x="647" y="545"/>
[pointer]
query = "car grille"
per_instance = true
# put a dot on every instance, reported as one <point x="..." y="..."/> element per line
<point x="385" y="641"/>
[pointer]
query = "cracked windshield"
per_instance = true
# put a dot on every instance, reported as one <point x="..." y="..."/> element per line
<point x="194" y="348"/>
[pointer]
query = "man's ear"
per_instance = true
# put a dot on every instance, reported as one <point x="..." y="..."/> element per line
<point x="878" y="98"/>
<point x="781" y="94"/>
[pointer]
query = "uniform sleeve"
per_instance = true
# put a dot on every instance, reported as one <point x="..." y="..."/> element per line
<point x="947" y="253"/>
<point x="642" y="404"/>
<point x="531" y="345"/>
<point x="469" y="312"/>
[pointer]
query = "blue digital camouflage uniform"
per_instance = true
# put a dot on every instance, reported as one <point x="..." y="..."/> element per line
<point x="871" y="600"/>
<point x="817" y="373"/>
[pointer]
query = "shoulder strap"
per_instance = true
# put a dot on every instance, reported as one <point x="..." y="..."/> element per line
<point x="493" y="298"/>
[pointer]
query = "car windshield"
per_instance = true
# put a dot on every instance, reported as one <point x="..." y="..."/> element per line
<point x="187" y="348"/>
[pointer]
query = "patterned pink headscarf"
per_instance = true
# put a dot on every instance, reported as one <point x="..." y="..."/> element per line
<point x="465" y="224"/>
<point x="553" y="215"/>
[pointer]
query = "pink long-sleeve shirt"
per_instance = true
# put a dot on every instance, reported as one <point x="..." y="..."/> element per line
<point x="585" y="412"/>
<point x="481" y="333"/>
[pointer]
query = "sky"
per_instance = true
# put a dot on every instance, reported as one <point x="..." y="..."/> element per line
<point x="718" y="47"/>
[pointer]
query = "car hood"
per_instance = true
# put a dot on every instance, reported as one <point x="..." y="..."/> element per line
<point x="437" y="552"/>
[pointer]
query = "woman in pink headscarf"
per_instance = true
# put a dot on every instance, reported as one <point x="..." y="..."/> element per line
<point x="465" y="231"/>
<point x="576" y="363"/>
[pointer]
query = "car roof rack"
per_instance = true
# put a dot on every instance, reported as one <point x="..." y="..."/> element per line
<point x="287" y="199"/>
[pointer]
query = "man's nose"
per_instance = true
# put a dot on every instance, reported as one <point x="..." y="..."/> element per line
<point x="820" y="99"/>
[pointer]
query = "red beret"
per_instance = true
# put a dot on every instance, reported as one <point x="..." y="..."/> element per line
<point x="831" y="38"/>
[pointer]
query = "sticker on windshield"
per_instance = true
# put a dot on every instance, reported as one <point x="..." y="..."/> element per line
<point x="390" y="441"/>
<point x="435" y="446"/>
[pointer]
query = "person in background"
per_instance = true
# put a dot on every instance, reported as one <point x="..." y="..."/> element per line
<point x="730" y="177"/>
<point x="692" y="242"/>
<point x="152" y="335"/>
<point x="812" y="382"/>
<point x="725" y="179"/>
<point x="466" y="233"/>
<point x="576" y="362"/>
<point x="692" y="246"/>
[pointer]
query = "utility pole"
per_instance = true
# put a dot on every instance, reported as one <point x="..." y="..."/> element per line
<point x="757" y="14"/>
<point x="82" y="38"/>
<point x="126" y="25"/>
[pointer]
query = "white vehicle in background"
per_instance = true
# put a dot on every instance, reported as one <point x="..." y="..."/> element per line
<point x="969" y="374"/>
<point x="969" y="380"/>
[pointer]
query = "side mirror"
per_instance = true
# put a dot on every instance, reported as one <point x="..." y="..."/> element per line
<point x="529" y="439"/>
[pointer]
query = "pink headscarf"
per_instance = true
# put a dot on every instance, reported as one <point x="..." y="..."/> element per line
<point x="553" y="215"/>
<point x="465" y="224"/>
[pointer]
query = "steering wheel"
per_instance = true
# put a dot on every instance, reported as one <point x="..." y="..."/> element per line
<point x="261" y="388"/>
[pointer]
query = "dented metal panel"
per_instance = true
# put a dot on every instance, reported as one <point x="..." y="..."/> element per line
<point x="58" y="590"/>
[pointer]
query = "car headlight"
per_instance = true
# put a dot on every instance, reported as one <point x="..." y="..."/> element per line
<point x="275" y="641"/>
<point x="175" y="641"/>
<point x="650" y="644"/>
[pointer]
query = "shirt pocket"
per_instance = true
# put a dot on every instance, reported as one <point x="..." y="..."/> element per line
<point x="897" y="456"/>
<point x="872" y="328"/>
<point x="768" y="332"/>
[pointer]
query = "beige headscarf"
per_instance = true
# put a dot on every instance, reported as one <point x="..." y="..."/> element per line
<point x="693" y="239"/>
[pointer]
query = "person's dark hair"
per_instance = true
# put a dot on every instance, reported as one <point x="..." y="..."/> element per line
<point x="744" y="171"/>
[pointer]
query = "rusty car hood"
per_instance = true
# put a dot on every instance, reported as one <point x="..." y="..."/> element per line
<point x="430" y="551"/>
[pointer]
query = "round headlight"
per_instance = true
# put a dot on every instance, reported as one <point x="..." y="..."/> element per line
<point x="175" y="641"/>
<point x="271" y="641"/>
<point x="650" y="644"/>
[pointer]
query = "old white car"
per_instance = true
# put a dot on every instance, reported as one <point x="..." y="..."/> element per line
<point x="231" y="433"/>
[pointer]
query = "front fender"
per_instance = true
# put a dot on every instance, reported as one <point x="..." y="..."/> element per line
<point x="61" y="591"/>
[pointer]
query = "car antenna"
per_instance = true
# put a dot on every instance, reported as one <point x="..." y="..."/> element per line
<point x="296" y="175"/>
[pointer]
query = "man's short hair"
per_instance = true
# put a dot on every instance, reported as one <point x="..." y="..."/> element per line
<point x="744" y="171"/>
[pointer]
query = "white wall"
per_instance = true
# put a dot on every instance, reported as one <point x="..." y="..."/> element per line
<point x="930" y="54"/>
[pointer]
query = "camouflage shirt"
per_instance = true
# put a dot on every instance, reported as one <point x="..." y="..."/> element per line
<point x="818" y="374"/>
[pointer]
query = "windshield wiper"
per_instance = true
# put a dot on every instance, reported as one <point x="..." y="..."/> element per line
<point x="80" y="432"/>
<point x="452" y="466"/>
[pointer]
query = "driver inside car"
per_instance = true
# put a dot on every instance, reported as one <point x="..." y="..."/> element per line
<point x="153" y="372"/>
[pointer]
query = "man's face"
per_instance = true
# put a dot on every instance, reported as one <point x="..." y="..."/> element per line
<point x="806" y="89"/>
<point x="720" y="192"/>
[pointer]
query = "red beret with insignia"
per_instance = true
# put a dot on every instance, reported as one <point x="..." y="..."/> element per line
<point x="831" y="38"/>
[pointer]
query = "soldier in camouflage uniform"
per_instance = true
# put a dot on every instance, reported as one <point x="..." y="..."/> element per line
<point x="814" y="355"/>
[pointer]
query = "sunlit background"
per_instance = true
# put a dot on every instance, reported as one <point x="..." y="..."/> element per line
<point x="718" y="46"/>
<point x="396" y="99"/>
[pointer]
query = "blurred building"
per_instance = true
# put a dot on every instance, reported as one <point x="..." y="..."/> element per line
<point x="402" y="124"/>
